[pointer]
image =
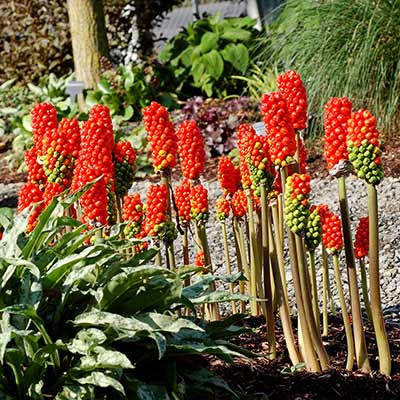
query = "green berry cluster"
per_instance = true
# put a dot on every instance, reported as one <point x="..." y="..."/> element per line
<point x="313" y="234"/>
<point x="259" y="176"/>
<point x="124" y="176"/>
<point x="131" y="230"/>
<point x="166" y="231"/>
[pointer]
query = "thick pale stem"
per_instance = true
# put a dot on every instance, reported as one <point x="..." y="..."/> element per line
<point x="265" y="222"/>
<point x="314" y="289"/>
<point x="239" y="258"/>
<point x="345" y="315"/>
<point x="228" y="262"/>
<point x="358" y="326"/>
<point x="305" y="288"/>
<point x="325" y="291"/>
<point x="374" y="286"/>
<point x="364" y="286"/>
<point x="185" y="250"/>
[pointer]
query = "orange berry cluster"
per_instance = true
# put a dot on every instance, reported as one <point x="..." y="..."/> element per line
<point x="332" y="237"/>
<point x="191" y="149"/>
<point x="125" y="167"/>
<point x="199" y="260"/>
<point x="239" y="204"/>
<point x="51" y="190"/>
<point x="337" y="114"/>
<point x="297" y="208"/>
<point x="43" y="120"/>
<point x="60" y="149"/>
<point x="199" y="203"/>
<point x="157" y="223"/>
<point x="95" y="159"/>
<point x="30" y="194"/>
<point x="161" y="136"/>
<point x="132" y="213"/>
<point x="243" y="134"/>
<point x="223" y="208"/>
<point x="228" y="176"/>
<point x="294" y="92"/>
<point x="363" y="146"/>
<point x="279" y="128"/>
<point x="35" y="170"/>
<point x="361" y="242"/>
<point x="182" y="201"/>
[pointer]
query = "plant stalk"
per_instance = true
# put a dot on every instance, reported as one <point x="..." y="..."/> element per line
<point x="314" y="289"/>
<point x="239" y="259"/>
<point x="325" y="291"/>
<point x="364" y="287"/>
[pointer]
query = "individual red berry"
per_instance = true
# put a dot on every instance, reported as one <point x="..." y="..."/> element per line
<point x="191" y="150"/>
<point x="228" y="175"/>
<point x="363" y="146"/>
<point x="125" y="167"/>
<point x="43" y="120"/>
<point x="337" y="114"/>
<point x="199" y="203"/>
<point x="182" y="200"/>
<point x="28" y="196"/>
<point x="223" y="208"/>
<point x="35" y="169"/>
<point x="239" y="204"/>
<point x="132" y="213"/>
<point x="161" y="136"/>
<point x="279" y="128"/>
<point x="361" y="242"/>
<point x="294" y="92"/>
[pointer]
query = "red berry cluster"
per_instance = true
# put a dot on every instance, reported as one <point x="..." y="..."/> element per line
<point x="337" y="114"/>
<point x="125" y="167"/>
<point x="191" y="149"/>
<point x="182" y="200"/>
<point x="199" y="260"/>
<point x="332" y="237"/>
<point x="35" y="170"/>
<point x="199" y="203"/>
<point x="60" y="149"/>
<point x="132" y="212"/>
<point x="95" y="159"/>
<point x="294" y="92"/>
<point x="244" y="134"/>
<point x="239" y="204"/>
<point x="43" y="120"/>
<point x="363" y="146"/>
<point x="361" y="242"/>
<point x="223" y="208"/>
<point x="51" y="190"/>
<point x="161" y="136"/>
<point x="302" y="156"/>
<point x="28" y="195"/>
<point x="228" y="175"/>
<point x="279" y="128"/>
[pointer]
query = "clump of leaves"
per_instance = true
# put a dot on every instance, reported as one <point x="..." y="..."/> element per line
<point x="85" y="322"/>
<point x="205" y="55"/>
<point x="218" y="119"/>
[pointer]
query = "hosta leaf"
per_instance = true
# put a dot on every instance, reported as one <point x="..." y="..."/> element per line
<point x="236" y="35"/>
<point x="104" y="359"/>
<point x="100" y="379"/>
<point x="219" y="296"/>
<point x="209" y="41"/>
<point x="104" y="86"/>
<point x="237" y="55"/>
<point x="213" y="63"/>
<point x="199" y="287"/>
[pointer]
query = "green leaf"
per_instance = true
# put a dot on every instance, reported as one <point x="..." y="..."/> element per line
<point x="186" y="57"/>
<point x="237" y="55"/>
<point x="213" y="63"/>
<point x="26" y="122"/>
<point x="104" y="359"/>
<point x="209" y="41"/>
<point x="75" y="392"/>
<point x="104" y="86"/>
<point x="35" y="89"/>
<point x="5" y="338"/>
<point x="219" y="296"/>
<point x="198" y="69"/>
<point x="168" y="323"/>
<point x="236" y="35"/>
<point x="85" y="340"/>
<point x="138" y="390"/>
<point x="101" y="379"/>
<point x="128" y="113"/>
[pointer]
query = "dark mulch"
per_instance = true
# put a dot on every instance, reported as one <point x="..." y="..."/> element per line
<point x="264" y="379"/>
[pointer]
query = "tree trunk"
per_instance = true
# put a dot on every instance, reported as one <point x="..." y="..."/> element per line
<point x="89" y="39"/>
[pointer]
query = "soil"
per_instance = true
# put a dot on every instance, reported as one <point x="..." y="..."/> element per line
<point x="264" y="379"/>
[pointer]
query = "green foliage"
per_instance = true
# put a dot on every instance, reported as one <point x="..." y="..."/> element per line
<point x="84" y="322"/>
<point x="341" y="48"/>
<point x="205" y="55"/>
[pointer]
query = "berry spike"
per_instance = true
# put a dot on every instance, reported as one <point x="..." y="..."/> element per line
<point x="199" y="203"/>
<point x="35" y="170"/>
<point x="337" y="114"/>
<point x="228" y="175"/>
<point x="182" y="200"/>
<point x="313" y="235"/>
<point x="124" y="163"/>
<point x="332" y="237"/>
<point x="191" y="149"/>
<point x="244" y="133"/>
<point x="132" y="213"/>
<point x="161" y="136"/>
<point x="51" y="190"/>
<point x="363" y="146"/>
<point x="361" y="242"/>
<point x="297" y="209"/>
<point x="291" y="87"/>
<point x="279" y="129"/>
<point x="28" y="196"/>
<point x="223" y="208"/>
<point x="239" y="204"/>
<point x="43" y="120"/>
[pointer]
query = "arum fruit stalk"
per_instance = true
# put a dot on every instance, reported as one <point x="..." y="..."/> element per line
<point x="345" y="315"/>
<point x="265" y="222"/>
<point x="364" y="287"/>
<point x="314" y="291"/>
<point x="358" y="326"/>
<point x="228" y="262"/>
<point x="376" y="307"/>
<point x="325" y="289"/>
<point x="239" y="262"/>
